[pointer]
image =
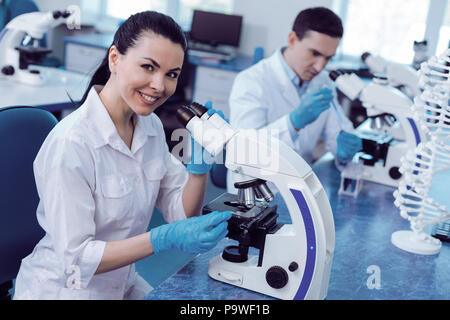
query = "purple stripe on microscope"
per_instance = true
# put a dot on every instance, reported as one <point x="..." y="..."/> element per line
<point x="310" y="243"/>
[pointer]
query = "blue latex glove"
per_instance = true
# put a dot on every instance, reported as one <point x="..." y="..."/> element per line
<point x="311" y="106"/>
<point x="211" y="111"/>
<point x="192" y="235"/>
<point x="347" y="145"/>
<point x="201" y="160"/>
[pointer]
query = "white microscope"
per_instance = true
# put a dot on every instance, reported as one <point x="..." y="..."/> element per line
<point x="398" y="74"/>
<point x="390" y="130"/>
<point x="294" y="260"/>
<point x="19" y="44"/>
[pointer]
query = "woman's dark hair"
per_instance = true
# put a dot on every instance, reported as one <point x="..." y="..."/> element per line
<point x="319" y="19"/>
<point x="129" y="32"/>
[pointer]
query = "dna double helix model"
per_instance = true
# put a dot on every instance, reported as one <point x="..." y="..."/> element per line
<point x="432" y="112"/>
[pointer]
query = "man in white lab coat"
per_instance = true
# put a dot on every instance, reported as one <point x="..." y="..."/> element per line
<point x="288" y="94"/>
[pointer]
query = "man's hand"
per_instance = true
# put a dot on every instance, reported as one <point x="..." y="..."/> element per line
<point x="347" y="145"/>
<point x="310" y="107"/>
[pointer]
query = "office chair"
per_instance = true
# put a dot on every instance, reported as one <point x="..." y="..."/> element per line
<point x="22" y="132"/>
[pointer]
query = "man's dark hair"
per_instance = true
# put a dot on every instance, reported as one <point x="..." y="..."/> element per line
<point x="319" y="19"/>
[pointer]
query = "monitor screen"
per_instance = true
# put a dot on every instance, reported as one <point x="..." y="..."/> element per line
<point x="216" y="28"/>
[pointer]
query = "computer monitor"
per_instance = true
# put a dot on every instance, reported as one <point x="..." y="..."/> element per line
<point x="216" y="28"/>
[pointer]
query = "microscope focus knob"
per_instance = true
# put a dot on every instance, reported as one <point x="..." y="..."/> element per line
<point x="293" y="266"/>
<point x="8" y="70"/>
<point x="277" y="277"/>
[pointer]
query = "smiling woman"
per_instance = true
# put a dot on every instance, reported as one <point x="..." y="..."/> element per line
<point x="140" y="69"/>
<point x="127" y="38"/>
<point x="103" y="170"/>
<point x="143" y="78"/>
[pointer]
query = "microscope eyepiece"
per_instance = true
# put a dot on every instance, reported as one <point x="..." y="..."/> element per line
<point x="364" y="56"/>
<point x="57" y="14"/>
<point x="66" y="14"/>
<point x="184" y="115"/>
<point x="334" y="74"/>
<point x="198" y="109"/>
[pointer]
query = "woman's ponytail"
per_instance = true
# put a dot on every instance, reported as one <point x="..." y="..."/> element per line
<point x="100" y="77"/>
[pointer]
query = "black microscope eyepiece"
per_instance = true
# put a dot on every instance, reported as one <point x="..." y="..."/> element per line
<point x="184" y="115"/>
<point x="56" y="14"/>
<point x="66" y="14"/>
<point x="364" y="56"/>
<point x="334" y="74"/>
<point x="198" y="109"/>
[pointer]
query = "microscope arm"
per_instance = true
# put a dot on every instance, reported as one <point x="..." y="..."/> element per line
<point x="398" y="74"/>
<point x="36" y="24"/>
<point x="312" y="228"/>
<point x="381" y="99"/>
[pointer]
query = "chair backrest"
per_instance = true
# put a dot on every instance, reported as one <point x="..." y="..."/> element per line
<point x="22" y="132"/>
<point x="15" y="8"/>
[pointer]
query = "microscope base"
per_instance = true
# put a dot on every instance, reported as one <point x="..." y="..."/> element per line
<point x="388" y="173"/>
<point x="289" y="273"/>
<point x="249" y="276"/>
<point x="379" y="175"/>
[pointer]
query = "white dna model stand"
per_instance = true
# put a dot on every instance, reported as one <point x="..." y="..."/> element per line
<point x="432" y="111"/>
<point x="297" y="258"/>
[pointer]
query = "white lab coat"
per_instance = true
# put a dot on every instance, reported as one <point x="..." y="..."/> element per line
<point x="262" y="97"/>
<point x="94" y="189"/>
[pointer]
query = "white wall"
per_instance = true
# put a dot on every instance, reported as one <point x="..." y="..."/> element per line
<point x="267" y="23"/>
<point x="49" y="5"/>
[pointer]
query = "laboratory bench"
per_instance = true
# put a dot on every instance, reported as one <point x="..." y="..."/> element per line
<point x="53" y="95"/>
<point x="363" y="227"/>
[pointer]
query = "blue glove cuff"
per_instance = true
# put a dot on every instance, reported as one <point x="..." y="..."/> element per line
<point x="157" y="238"/>
<point x="198" y="168"/>
<point x="295" y="121"/>
<point x="192" y="235"/>
<point x="201" y="161"/>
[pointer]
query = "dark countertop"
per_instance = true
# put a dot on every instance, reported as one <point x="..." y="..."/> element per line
<point x="363" y="230"/>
